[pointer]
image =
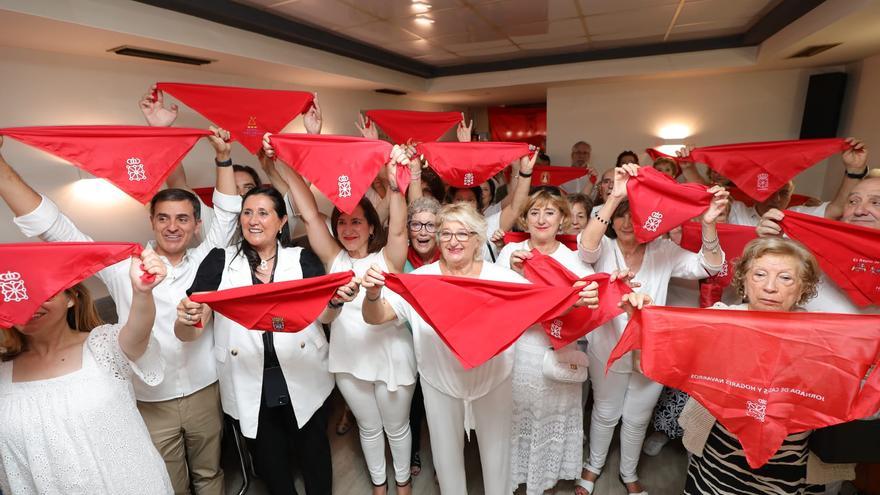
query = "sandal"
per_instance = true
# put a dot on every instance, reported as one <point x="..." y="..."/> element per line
<point x="344" y="424"/>
<point x="415" y="464"/>
<point x="587" y="485"/>
<point x="643" y="492"/>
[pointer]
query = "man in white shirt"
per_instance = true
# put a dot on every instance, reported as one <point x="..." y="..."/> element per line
<point x="182" y="413"/>
<point x="580" y="158"/>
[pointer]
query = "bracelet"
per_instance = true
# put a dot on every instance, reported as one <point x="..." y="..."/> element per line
<point x="859" y="175"/>
<point x="393" y="188"/>
<point x="600" y="219"/>
<point x="333" y="305"/>
<point x="711" y="245"/>
<point x="368" y="298"/>
<point x="416" y="177"/>
<point x="225" y="163"/>
<point x="525" y="176"/>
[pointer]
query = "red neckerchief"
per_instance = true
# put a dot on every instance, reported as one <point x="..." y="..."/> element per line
<point x="849" y="254"/>
<point x="658" y="203"/>
<point x="341" y="167"/>
<point x="33" y="272"/>
<point x="416" y="261"/>
<point x="278" y="306"/>
<point x="565" y="329"/>
<point x="405" y="125"/>
<point x="470" y="164"/>
<point x="476" y="318"/>
<point x="246" y="113"/>
<point x="763" y="375"/>
<point x="136" y="159"/>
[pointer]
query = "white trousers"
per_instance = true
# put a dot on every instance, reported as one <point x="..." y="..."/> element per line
<point x="379" y="412"/>
<point x="492" y="421"/>
<point x="629" y="397"/>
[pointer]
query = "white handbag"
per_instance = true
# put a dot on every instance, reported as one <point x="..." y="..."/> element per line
<point x="566" y="365"/>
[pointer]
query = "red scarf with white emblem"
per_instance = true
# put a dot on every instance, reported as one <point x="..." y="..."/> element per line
<point x="761" y="169"/>
<point x="341" y="167"/>
<point x="278" y="306"/>
<point x="136" y="159"/>
<point x="405" y="125"/>
<point x="470" y="164"/>
<point x="246" y="113"/>
<point x="33" y="272"/>
<point x="476" y="318"/>
<point x="565" y="329"/>
<point x="849" y="254"/>
<point x="658" y="203"/>
<point x="763" y="375"/>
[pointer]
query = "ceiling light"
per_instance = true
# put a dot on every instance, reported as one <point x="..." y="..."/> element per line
<point x="674" y="131"/>
<point x="421" y="6"/>
<point x="424" y="20"/>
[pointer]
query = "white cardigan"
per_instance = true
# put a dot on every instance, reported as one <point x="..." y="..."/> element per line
<point x="239" y="353"/>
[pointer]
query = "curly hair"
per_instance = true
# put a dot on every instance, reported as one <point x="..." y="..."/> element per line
<point x="808" y="267"/>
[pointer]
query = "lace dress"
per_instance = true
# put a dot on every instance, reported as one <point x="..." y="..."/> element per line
<point x="81" y="433"/>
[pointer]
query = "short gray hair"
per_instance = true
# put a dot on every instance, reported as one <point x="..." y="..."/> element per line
<point x="423" y="204"/>
<point x="467" y="215"/>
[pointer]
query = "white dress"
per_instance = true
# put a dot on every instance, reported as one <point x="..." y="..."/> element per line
<point x="548" y="420"/>
<point x="372" y="353"/>
<point x="81" y="433"/>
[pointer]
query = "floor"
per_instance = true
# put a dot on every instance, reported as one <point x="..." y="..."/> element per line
<point x="661" y="475"/>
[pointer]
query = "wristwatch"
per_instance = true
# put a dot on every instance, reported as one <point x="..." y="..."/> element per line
<point x="860" y="175"/>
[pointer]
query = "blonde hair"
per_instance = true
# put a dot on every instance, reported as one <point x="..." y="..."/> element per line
<point x="873" y="173"/>
<point x="467" y="215"/>
<point x="545" y="197"/>
<point x="808" y="267"/>
<point x="82" y="317"/>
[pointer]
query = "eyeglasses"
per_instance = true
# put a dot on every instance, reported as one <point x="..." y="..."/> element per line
<point x="461" y="236"/>
<point x="418" y="226"/>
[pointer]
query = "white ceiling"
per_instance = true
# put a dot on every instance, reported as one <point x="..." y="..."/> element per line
<point x="473" y="31"/>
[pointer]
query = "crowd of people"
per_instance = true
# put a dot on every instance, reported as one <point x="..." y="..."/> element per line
<point x="139" y="407"/>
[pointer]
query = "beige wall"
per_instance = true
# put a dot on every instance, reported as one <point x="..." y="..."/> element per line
<point x="720" y="109"/>
<point x="43" y="88"/>
<point x="861" y="113"/>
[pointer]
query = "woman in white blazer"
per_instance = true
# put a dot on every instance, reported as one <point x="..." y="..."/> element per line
<point x="274" y="384"/>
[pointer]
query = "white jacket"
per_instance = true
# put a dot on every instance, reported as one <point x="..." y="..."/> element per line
<point x="239" y="353"/>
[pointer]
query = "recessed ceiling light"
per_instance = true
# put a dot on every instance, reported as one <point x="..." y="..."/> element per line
<point x="421" y="6"/>
<point x="424" y="20"/>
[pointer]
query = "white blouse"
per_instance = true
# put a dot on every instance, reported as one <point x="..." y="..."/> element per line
<point x="81" y="432"/>
<point x="373" y="353"/>
<point x="437" y="364"/>
<point x="663" y="260"/>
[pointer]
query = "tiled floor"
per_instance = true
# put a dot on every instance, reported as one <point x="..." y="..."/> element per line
<point x="661" y="475"/>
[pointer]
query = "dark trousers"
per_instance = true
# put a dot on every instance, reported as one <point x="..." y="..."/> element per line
<point x="416" y="416"/>
<point x="280" y="440"/>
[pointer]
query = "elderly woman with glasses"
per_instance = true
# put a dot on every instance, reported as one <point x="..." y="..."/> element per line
<point x="456" y="398"/>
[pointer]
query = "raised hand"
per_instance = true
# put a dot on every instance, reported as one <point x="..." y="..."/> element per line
<point x="190" y="313"/>
<point x="154" y="110"/>
<point x="589" y="294"/>
<point x="220" y="141"/>
<point x="856" y="157"/>
<point x="312" y="120"/>
<point x="621" y="176"/>
<point x="367" y="127"/>
<point x="267" y="146"/>
<point x="463" y="132"/>
<point x="373" y="282"/>
<point x="718" y="205"/>
<point x="517" y="258"/>
<point x="634" y="300"/>
<point x="769" y="226"/>
<point x="147" y="271"/>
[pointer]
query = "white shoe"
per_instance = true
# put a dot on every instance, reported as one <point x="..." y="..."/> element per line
<point x="655" y="443"/>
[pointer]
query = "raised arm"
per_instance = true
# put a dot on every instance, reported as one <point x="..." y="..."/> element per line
<point x="20" y="197"/>
<point x="312" y="120"/>
<point x="689" y="168"/>
<point x="396" y="245"/>
<point x="135" y="334"/>
<point x="591" y="237"/>
<point x="320" y="238"/>
<point x="152" y="105"/>
<point x="855" y="159"/>
<point x="711" y="248"/>
<point x="522" y="180"/>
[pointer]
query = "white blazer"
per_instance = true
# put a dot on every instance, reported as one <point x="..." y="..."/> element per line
<point x="239" y="353"/>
